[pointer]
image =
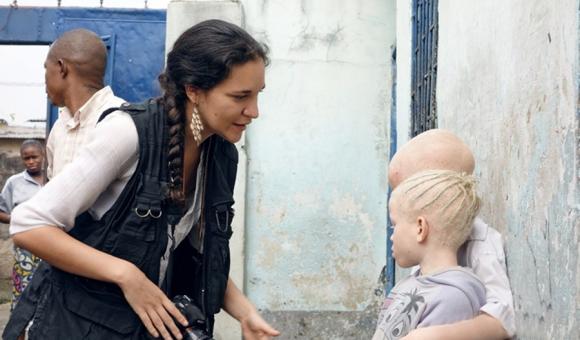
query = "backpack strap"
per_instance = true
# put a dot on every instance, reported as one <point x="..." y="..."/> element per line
<point x="131" y="108"/>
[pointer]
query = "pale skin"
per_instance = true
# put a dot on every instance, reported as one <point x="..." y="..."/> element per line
<point x="441" y="150"/>
<point x="419" y="231"/>
<point x="225" y="110"/>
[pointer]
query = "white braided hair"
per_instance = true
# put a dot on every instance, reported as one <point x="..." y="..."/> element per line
<point x="447" y="198"/>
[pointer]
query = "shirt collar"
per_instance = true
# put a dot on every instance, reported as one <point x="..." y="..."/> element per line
<point x="29" y="178"/>
<point x="479" y="230"/>
<point x="79" y="118"/>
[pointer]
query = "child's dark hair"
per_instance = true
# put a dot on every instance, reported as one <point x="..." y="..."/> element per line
<point x="32" y="143"/>
<point x="202" y="57"/>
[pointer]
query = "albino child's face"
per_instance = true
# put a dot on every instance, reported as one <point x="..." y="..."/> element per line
<point x="404" y="237"/>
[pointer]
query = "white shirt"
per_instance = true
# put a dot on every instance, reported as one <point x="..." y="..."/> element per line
<point x="94" y="180"/>
<point x="484" y="254"/>
<point x="70" y="131"/>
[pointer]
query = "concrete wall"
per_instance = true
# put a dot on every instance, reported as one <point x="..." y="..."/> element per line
<point x="508" y="85"/>
<point x="316" y="185"/>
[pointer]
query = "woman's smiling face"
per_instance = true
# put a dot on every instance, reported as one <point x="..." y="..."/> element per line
<point x="230" y="106"/>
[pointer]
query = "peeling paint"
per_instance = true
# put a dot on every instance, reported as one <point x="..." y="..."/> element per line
<point x="317" y="173"/>
<point x="522" y="122"/>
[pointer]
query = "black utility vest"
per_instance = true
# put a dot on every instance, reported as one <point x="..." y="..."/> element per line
<point x="136" y="229"/>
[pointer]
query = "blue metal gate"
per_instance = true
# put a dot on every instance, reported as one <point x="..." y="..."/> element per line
<point x="135" y="39"/>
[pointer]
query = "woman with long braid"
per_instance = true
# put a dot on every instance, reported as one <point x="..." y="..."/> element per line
<point x="432" y="213"/>
<point x="150" y="201"/>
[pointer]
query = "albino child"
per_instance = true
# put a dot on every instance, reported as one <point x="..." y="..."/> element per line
<point x="432" y="213"/>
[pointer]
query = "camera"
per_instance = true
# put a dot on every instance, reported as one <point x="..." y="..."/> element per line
<point x="196" y="328"/>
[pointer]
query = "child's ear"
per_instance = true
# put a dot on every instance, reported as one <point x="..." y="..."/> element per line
<point x="422" y="229"/>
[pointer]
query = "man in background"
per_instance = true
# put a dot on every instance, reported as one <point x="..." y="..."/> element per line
<point x="75" y="70"/>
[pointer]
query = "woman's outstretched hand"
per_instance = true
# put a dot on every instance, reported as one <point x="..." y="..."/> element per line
<point x="256" y="328"/>
<point x="238" y="306"/>
<point x="154" y="309"/>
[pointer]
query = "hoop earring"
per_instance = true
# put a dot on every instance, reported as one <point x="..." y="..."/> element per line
<point x="196" y="125"/>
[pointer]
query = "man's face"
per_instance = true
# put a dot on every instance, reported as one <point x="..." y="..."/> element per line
<point x="53" y="80"/>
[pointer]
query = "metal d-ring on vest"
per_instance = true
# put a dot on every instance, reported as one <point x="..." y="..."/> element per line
<point x="148" y="213"/>
<point x="223" y="228"/>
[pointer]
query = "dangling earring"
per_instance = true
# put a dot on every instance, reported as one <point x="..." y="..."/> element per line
<point x="195" y="125"/>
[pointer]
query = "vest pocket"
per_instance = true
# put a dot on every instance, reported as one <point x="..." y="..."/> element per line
<point x="135" y="239"/>
<point x="218" y="256"/>
<point x="217" y="271"/>
<point x="101" y="307"/>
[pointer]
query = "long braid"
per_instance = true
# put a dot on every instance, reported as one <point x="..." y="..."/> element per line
<point x="175" y="120"/>
<point x="448" y="196"/>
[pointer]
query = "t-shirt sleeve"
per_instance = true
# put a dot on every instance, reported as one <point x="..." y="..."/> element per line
<point x="113" y="146"/>
<point x="6" y="203"/>
<point x="450" y="305"/>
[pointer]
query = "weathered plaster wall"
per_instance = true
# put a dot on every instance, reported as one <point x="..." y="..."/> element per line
<point x="316" y="190"/>
<point x="508" y="85"/>
<point x="10" y="162"/>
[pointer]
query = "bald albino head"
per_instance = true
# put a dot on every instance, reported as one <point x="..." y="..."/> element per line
<point x="435" y="149"/>
<point x="84" y="52"/>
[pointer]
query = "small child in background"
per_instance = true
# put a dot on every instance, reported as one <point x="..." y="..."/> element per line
<point x="20" y="188"/>
<point x="432" y="213"/>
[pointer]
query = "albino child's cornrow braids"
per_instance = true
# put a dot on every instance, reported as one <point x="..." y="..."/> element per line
<point x="448" y="196"/>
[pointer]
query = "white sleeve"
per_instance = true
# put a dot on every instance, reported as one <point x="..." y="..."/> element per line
<point x="488" y="263"/>
<point x="112" y="148"/>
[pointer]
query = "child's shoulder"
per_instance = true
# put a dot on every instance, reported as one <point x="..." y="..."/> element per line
<point x="14" y="178"/>
<point x="459" y="285"/>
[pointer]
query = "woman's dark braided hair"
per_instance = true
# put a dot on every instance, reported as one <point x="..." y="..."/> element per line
<point x="202" y="57"/>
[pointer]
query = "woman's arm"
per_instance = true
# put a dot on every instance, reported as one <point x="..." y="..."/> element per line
<point x="39" y="224"/>
<point x="482" y="327"/>
<point x="239" y="307"/>
<point x="65" y="252"/>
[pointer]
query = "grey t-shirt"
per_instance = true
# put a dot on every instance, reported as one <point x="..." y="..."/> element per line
<point x="447" y="296"/>
<point x="18" y="188"/>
